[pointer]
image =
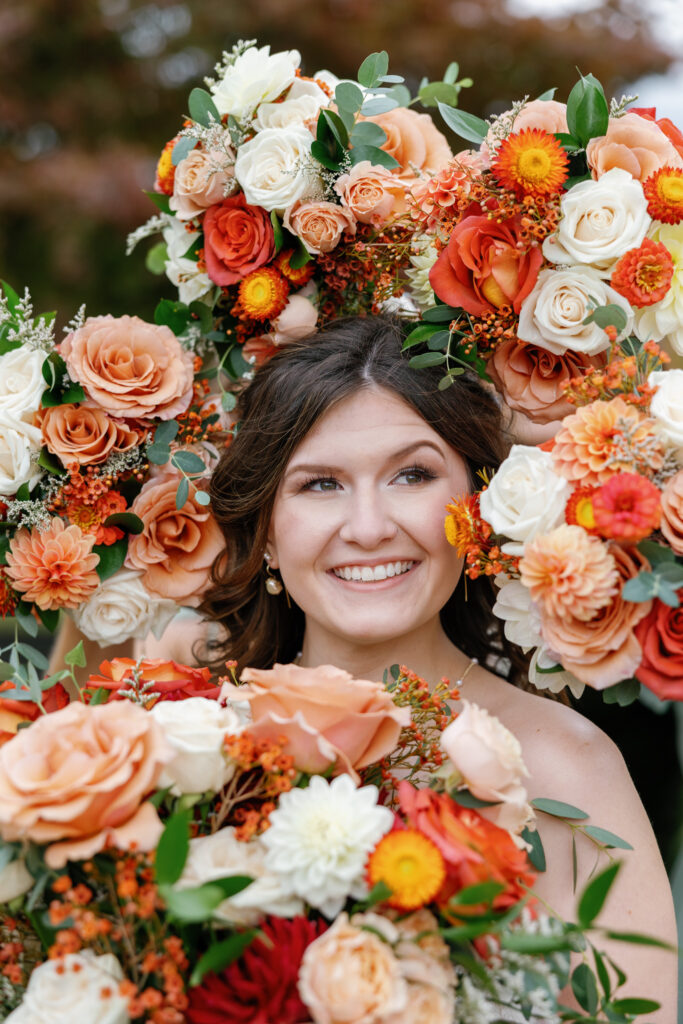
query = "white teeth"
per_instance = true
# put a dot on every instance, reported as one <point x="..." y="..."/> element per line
<point x="367" y="574"/>
<point x="370" y="574"/>
<point x="391" y="571"/>
<point x="356" y="573"/>
<point x="380" y="572"/>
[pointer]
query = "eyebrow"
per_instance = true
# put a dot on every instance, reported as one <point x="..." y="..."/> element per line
<point x="394" y="457"/>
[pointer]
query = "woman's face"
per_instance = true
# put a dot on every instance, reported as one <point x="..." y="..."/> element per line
<point x="357" y="527"/>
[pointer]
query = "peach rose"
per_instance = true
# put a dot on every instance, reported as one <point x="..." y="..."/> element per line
<point x="297" y="320"/>
<point x="672" y="512"/>
<point x="319" y="225"/>
<point x="603" y="650"/>
<point x="328" y="717"/>
<point x="177" y="547"/>
<point x="372" y="194"/>
<point x="85" y="434"/>
<point x="130" y="368"/>
<point x="414" y="140"/>
<point x="635" y="144"/>
<point x="76" y="780"/>
<point x="201" y="180"/>
<point x="548" y="115"/>
<point x="673" y="134"/>
<point x="238" y="238"/>
<point x="426" y="1004"/>
<point x="530" y="378"/>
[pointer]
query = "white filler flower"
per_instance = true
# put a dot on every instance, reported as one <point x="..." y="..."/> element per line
<point x="320" y="837"/>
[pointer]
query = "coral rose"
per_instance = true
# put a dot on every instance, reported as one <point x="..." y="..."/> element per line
<point x="319" y="225"/>
<point x="166" y="680"/>
<point x="130" y="368"/>
<point x="328" y="717"/>
<point x="604" y="650"/>
<point x="633" y="143"/>
<point x="201" y="180"/>
<point x="238" y="238"/>
<point x="372" y="194"/>
<point x="177" y="547"/>
<point x="85" y="434"/>
<point x="672" y="512"/>
<point x="76" y="780"/>
<point x="481" y="268"/>
<point x="54" y="568"/>
<point x="14" y="712"/>
<point x="673" y="134"/>
<point x="660" y="635"/>
<point x="414" y="141"/>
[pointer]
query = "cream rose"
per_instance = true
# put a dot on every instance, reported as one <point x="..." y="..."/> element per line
<point x="525" y="497"/>
<point x="600" y="221"/>
<point x="300" y="106"/>
<point x="122" y="609"/>
<point x="20" y="445"/>
<point x="21" y="384"/>
<point x="79" y="987"/>
<point x="15" y="880"/>
<point x="275" y="169"/>
<point x="194" y="729"/>
<point x="519" y="613"/>
<point x="201" y="179"/>
<point x="552" y="316"/>
<point x="667" y="405"/>
<point x="256" y="76"/>
<point x="222" y="855"/>
<point x="664" y="319"/>
<point x="543" y="676"/>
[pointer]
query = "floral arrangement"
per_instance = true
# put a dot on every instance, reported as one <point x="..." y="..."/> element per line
<point x="173" y="851"/>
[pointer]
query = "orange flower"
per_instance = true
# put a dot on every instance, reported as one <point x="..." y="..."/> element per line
<point x="263" y="294"/>
<point x="432" y="198"/>
<point x="411" y="865"/>
<point x="297" y="276"/>
<point x="14" y="712"/>
<point x="627" y="508"/>
<point x="579" y="509"/>
<point x="643" y="275"/>
<point x="664" y="193"/>
<point x="531" y="162"/>
<point x="90" y="518"/>
<point x="168" y="679"/>
<point x="54" y="568"/>
<point x="165" y="169"/>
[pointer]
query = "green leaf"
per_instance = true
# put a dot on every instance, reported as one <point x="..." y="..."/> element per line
<point x="446" y="382"/>
<point x="587" y="110"/>
<point x="232" y="884"/>
<point x="221" y="954"/>
<point x="6" y="672"/>
<point x="609" y="839"/>
<point x="536" y="854"/>
<point x="378" y="105"/>
<point x="451" y="73"/>
<point x="277" y="230"/>
<point x="173" y="848"/>
<point x="672" y="572"/>
<point x="571" y="144"/>
<point x="548" y="94"/>
<point x="367" y="133"/>
<point x="623" y="693"/>
<point x="50" y="462"/>
<point x="603" y="973"/>
<point x="467" y="799"/>
<point x="161" y="200"/>
<point x="585" y="988"/>
<point x="558" y="809"/>
<point x="127" y="521"/>
<point x="4" y="548"/>
<point x="156" y="258"/>
<point x="609" y="315"/>
<point x="166" y="432"/>
<point x="438" y="341"/>
<point x="427" y="359"/>
<point x="595" y="894"/>
<point x="49" y="617"/>
<point x="33" y="655"/>
<point x="99" y="696"/>
<point x="374" y="67"/>
<point x="440" y="314"/>
<point x="192" y="905"/>
<point x="348" y="96"/>
<point x="483" y="892"/>
<point x="438" y="92"/>
<point x="637" y="1006"/>
<point x="467" y="126"/>
<point x="182" y="148"/>
<point x="419" y="334"/>
<point x="321" y="153"/>
<point x="337" y="127"/>
<point x="26" y="620"/>
<point x="300" y="258"/>
<point x="228" y="401"/>
<point x="637" y="939"/>
<point x="175" y="315"/>
<point x="75" y="658"/>
<point x="202" y="108"/>
<point x="378" y="894"/>
<point x="187" y="462"/>
<point x="202" y="498"/>
<point x="12" y="297"/>
<point x="182" y="493"/>
<point x="376" y="156"/>
<point x="531" y="944"/>
<point x="112" y="557"/>
<point x="656" y="553"/>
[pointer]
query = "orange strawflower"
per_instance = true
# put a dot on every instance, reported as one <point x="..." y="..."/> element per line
<point x="464" y="525"/>
<point x="297" y="276"/>
<point x="664" y="193"/>
<point x="263" y="294"/>
<point x="410" y="865"/>
<point x="579" y="509"/>
<point x="643" y="275"/>
<point x="54" y="568"/>
<point x="627" y="508"/>
<point x="531" y="162"/>
<point x="165" y="169"/>
<point x="8" y="597"/>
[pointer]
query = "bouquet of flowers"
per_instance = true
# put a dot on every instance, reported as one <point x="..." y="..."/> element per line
<point x="268" y="852"/>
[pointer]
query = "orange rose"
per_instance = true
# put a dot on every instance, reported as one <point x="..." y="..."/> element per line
<point x="177" y="547"/>
<point x="372" y="194"/>
<point x="672" y="512"/>
<point x="14" y="712"/>
<point x="85" y="434"/>
<point x="414" y="140"/>
<point x="130" y="368"/>
<point x="661" y="637"/>
<point x="238" y="238"/>
<point x="634" y="143"/>
<point x="76" y="780"/>
<point x="168" y="679"/>
<point x="319" y="225"/>
<point x="328" y="717"/>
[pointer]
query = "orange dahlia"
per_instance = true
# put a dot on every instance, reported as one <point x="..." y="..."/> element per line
<point x="643" y="275"/>
<point x="627" y="508"/>
<point x="263" y="294"/>
<point x="531" y="162"/>
<point x="54" y="568"/>
<point x="411" y="865"/>
<point x="664" y="193"/>
<point x="297" y="276"/>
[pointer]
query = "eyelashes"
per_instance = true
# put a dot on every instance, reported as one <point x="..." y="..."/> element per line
<point x="423" y="471"/>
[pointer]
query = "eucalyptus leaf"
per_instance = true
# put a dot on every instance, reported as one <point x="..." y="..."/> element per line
<point x="187" y="462"/>
<point x="558" y="809"/>
<point x="585" y="988"/>
<point x="166" y="432"/>
<point x="221" y="954"/>
<point x="202" y="108"/>
<point x="419" y="334"/>
<point x="425" y="359"/>
<point x="373" y="69"/>
<point x="536" y="854"/>
<point x="367" y="133"/>
<point x="441" y="314"/>
<point x="156" y="258"/>
<point x="438" y="92"/>
<point x="374" y="155"/>
<point x="27" y="622"/>
<point x="451" y="73"/>
<point x="623" y="693"/>
<point x="467" y="126"/>
<point x="182" y="493"/>
<point x="594" y="895"/>
<point x="348" y="96"/>
<point x="202" y="498"/>
<point x="607" y="838"/>
<point x="182" y="148"/>
<point x="378" y="105"/>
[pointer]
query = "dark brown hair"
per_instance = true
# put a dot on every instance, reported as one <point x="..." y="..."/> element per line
<point x="287" y="397"/>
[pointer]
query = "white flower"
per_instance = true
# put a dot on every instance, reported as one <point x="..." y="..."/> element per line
<point x="191" y="282"/>
<point x="194" y="729"/>
<point x="79" y="988"/>
<point x="666" y="406"/>
<point x="21" y="384"/>
<point x="552" y="315"/>
<point x="423" y="256"/>
<point x="526" y="497"/>
<point x="275" y="168"/>
<point x="600" y="221"/>
<point x="222" y="855"/>
<point x="121" y="609"/>
<point x="20" y="444"/>
<point x="255" y="77"/>
<point x="320" y="837"/>
<point x="15" y="880"/>
<point x="664" y="319"/>
<point x="519" y="613"/>
<point x="301" y="104"/>
<point x="544" y="659"/>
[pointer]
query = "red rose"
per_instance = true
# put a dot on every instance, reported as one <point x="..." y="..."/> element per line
<point x="481" y="268"/>
<point x="660" y="634"/>
<point x="238" y="238"/>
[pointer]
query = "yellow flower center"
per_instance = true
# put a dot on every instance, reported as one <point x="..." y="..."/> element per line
<point x="534" y="165"/>
<point x="671" y="188"/>
<point x="584" y="513"/>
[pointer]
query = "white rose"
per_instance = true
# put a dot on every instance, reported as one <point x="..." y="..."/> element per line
<point x="546" y="674"/>
<point x="667" y="405"/>
<point x="255" y="77"/>
<point x="519" y="613"/>
<point x="79" y="988"/>
<point x="20" y="444"/>
<point x="222" y="855"/>
<point x="274" y="168"/>
<point x="191" y="282"/>
<point x="15" y="880"/>
<point x="121" y="609"/>
<point x="526" y="497"/>
<point x="600" y="221"/>
<point x="552" y="315"/>
<point x="195" y="729"/>
<point x="21" y="384"/>
<point x="664" y="319"/>
<point x="301" y="104"/>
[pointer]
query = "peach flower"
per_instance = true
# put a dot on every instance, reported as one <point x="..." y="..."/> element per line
<point x="297" y="320"/>
<point x="591" y="445"/>
<point x="54" y="568"/>
<point x="201" y="180"/>
<point x="604" y="650"/>
<point x="426" y="1004"/>
<point x="76" y="780"/>
<point x="635" y="144"/>
<point x="319" y="225"/>
<point x="672" y="512"/>
<point x="130" y="368"/>
<point x="530" y="378"/>
<point x="372" y="194"/>
<point x="177" y="547"/>
<point x="414" y="140"/>
<point x="569" y="573"/>
<point x="328" y="717"/>
<point x="433" y="197"/>
<point x="548" y="115"/>
<point x="85" y="434"/>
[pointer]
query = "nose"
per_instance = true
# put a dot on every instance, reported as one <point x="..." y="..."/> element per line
<point x="368" y="521"/>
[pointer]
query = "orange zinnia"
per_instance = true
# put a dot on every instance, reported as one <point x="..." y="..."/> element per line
<point x="664" y="193"/>
<point x="53" y="568"/>
<point x="531" y="162"/>
<point x="627" y="508"/>
<point x="643" y="275"/>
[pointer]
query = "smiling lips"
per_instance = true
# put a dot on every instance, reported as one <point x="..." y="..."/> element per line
<point x="372" y="573"/>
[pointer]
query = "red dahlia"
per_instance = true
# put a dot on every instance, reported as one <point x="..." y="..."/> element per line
<point x="260" y="987"/>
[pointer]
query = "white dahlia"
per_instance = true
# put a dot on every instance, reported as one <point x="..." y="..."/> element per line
<point x="422" y="258"/>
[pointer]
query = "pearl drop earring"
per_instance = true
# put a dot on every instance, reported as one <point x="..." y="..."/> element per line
<point x="273" y="584"/>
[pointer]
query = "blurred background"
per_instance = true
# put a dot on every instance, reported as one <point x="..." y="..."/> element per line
<point x="90" y="90"/>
